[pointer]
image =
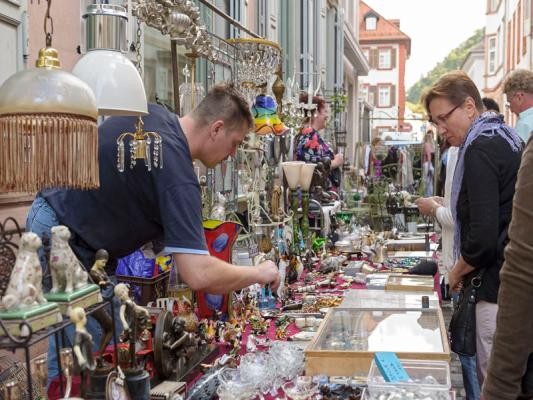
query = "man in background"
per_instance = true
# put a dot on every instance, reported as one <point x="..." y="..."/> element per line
<point x="518" y="88"/>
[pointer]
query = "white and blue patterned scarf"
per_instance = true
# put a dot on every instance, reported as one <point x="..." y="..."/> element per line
<point x="487" y="124"/>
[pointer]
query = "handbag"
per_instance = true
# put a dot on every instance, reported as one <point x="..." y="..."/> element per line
<point x="462" y="328"/>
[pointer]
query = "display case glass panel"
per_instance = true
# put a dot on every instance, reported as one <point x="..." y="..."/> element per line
<point x="381" y="299"/>
<point x="381" y="330"/>
<point x="410" y="282"/>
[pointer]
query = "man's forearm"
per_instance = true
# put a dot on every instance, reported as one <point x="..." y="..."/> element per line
<point x="213" y="275"/>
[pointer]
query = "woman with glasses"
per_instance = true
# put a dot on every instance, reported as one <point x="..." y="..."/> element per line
<point x="481" y="194"/>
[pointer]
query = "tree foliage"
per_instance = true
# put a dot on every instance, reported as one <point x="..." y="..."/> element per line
<point x="452" y="61"/>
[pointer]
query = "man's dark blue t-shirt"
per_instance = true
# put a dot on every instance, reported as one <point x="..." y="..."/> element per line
<point x="136" y="206"/>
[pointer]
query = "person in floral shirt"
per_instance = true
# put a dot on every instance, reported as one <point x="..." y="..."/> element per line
<point x="310" y="147"/>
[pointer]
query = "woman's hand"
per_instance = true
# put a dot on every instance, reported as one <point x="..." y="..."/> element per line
<point x="338" y="160"/>
<point x="454" y="281"/>
<point x="427" y="206"/>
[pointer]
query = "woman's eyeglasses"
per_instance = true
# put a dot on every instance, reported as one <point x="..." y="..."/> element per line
<point x="437" y="121"/>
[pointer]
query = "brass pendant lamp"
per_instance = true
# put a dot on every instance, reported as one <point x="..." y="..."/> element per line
<point x="48" y="132"/>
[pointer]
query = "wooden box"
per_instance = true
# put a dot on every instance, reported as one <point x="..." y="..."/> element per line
<point x="347" y="339"/>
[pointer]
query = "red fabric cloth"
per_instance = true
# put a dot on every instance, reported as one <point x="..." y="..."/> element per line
<point x="53" y="389"/>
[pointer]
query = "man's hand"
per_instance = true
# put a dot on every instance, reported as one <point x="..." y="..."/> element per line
<point x="427" y="205"/>
<point x="268" y="273"/>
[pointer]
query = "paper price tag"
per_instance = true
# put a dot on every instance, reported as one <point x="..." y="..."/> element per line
<point x="253" y="250"/>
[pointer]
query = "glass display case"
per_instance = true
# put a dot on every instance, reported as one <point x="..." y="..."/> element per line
<point x="381" y="299"/>
<point x="347" y="339"/>
<point x="405" y="282"/>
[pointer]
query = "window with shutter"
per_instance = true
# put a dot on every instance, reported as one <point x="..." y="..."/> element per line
<point x="374" y="58"/>
<point x="373" y="95"/>
<point x="393" y="58"/>
<point x="392" y="95"/>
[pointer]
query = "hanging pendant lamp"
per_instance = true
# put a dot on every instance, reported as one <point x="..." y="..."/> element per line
<point x="115" y="81"/>
<point x="48" y="132"/>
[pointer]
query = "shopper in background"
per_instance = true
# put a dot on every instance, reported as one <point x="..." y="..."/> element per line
<point x="510" y="371"/>
<point x="490" y="105"/>
<point x="518" y="88"/>
<point x="481" y="194"/>
<point x="311" y="147"/>
<point x="428" y="158"/>
<point x="137" y="206"/>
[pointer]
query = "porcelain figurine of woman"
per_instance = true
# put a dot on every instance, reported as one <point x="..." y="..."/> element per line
<point x="135" y="320"/>
<point x="83" y="346"/>
<point x="83" y="341"/>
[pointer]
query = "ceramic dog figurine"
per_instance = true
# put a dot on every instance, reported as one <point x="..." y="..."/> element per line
<point x="25" y="283"/>
<point x="67" y="271"/>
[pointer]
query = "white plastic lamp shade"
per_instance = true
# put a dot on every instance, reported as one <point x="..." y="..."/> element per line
<point x="306" y="176"/>
<point x="115" y="81"/>
<point x="292" y="169"/>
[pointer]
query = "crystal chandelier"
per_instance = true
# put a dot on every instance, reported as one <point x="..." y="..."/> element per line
<point x="291" y="111"/>
<point x="180" y="19"/>
<point x="140" y="146"/>
<point x="257" y="61"/>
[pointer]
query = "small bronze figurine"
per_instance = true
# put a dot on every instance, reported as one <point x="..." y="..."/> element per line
<point x="100" y="277"/>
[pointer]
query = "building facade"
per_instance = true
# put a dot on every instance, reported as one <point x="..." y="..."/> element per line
<point x="387" y="49"/>
<point x="508" y="46"/>
<point x="474" y="65"/>
<point x="13" y="37"/>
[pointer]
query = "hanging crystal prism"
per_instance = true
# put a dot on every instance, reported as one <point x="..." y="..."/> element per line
<point x="140" y="144"/>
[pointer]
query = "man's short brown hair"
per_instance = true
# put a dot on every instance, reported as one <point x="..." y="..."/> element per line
<point x="520" y="80"/>
<point x="455" y="86"/>
<point x="224" y="102"/>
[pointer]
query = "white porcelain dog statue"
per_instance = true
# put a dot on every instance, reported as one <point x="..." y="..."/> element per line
<point x="67" y="271"/>
<point x="25" y="282"/>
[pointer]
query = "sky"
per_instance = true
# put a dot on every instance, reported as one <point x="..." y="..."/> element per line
<point x="434" y="26"/>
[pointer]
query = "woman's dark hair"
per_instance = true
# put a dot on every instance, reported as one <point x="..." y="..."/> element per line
<point x="101" y="254"/>
<point x="490" y="104"/>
